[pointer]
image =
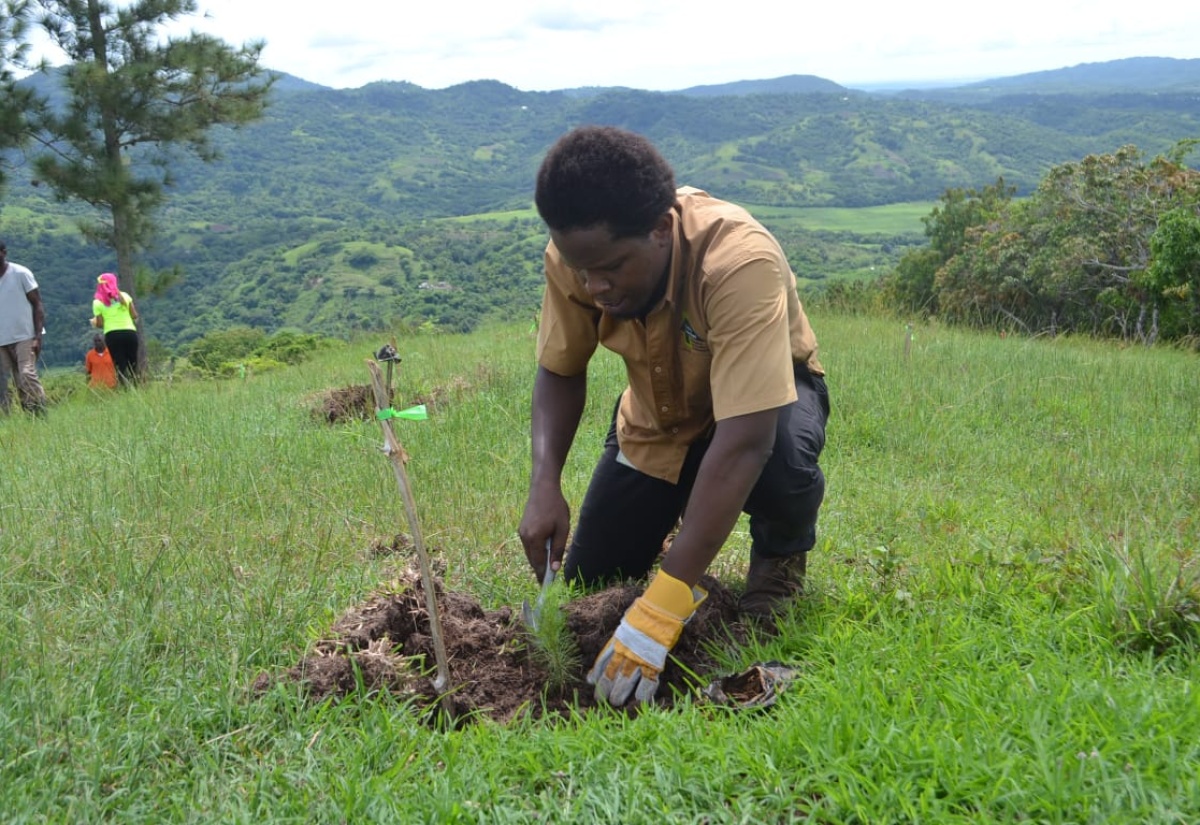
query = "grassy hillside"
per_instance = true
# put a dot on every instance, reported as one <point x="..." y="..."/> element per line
<point x="1001" y="625"/>
<point x="894" y="219"/>
<point x="319" y="275"/>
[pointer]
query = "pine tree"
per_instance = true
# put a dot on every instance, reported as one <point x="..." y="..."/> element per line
<point x="132" y="96"/>
<point x="15" y="101"/>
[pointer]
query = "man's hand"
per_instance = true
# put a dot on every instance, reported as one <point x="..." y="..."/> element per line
<point x="544" y="524"/>
<point x="635" y="656"/>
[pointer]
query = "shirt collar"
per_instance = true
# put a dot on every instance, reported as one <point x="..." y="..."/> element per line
<point x="673" y="293"/>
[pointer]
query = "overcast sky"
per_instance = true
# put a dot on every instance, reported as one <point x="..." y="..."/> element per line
<point x="537" y="45"/>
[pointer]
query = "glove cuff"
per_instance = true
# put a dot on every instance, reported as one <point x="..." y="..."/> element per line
<point x="673" y="597"/>
<point x="648" y="650"/>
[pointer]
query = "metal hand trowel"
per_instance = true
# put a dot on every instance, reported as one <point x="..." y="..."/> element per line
<point x="529" y="614"/>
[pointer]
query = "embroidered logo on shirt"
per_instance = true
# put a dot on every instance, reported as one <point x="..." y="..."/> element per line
<point x="691" y="338"/>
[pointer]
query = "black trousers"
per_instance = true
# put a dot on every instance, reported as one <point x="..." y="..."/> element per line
<point x="123" y="344"/>
<point x="627" y="514"/>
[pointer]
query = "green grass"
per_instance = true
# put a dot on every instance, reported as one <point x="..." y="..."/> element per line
<point x="893" y="219"/>
<point x="998" y="630"/>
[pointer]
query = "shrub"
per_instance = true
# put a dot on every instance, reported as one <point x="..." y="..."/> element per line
<point x="226" y="352"/>
<point x="224" y="346"/>
<point x="290" y="347"/>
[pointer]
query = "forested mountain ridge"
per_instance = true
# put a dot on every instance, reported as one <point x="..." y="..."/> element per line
<point x="1155" y="75"/>
<point x="323" y="216"/>
<point x="1131" y="74"/>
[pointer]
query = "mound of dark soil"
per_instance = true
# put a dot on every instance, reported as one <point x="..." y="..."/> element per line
<point x="353" y="403"/>
<point x="356" y="402"/>
<point x="385" y="645"/>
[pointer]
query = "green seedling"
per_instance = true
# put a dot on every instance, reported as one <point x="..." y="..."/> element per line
<point x="553" y="647"/>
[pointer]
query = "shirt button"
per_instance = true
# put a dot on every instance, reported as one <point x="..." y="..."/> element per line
<point x="663" y="409"/>
<point x="674" y="431"/>
<point x="658" y="369"/>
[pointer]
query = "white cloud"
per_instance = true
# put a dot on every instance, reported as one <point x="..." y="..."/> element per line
<point x="672" y="44"/>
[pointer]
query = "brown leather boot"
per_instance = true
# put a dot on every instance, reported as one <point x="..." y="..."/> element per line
<point x="771" y="583"/>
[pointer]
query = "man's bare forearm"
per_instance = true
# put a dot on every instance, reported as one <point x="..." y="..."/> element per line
<point x="558" y="403"/>
<point x="729" y="471"/>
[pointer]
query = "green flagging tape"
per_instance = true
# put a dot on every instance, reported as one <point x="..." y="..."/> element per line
<point x="416" y="413"/>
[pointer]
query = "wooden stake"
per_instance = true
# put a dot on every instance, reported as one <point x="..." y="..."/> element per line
<point x="397" y="455"/>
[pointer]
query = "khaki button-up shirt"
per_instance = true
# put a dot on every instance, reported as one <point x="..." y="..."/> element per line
<point x="724" y="340"/>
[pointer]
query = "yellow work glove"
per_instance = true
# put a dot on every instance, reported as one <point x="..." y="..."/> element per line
<point x="634" y="657"/>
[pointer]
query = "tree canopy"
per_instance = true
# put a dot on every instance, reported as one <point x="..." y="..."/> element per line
<point x="1106" y="245"/>
<point x="15" y="101"/>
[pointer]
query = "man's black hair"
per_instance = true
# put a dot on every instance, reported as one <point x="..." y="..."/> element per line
<point x="602" y="175"/>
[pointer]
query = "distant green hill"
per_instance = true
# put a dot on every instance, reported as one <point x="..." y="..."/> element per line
<point x="791" y="84"/>
<point x="339" y="210"/>
<point x="1155" y="75"/>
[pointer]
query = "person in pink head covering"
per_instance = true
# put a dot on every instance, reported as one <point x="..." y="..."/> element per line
<point x="113" y="311"/>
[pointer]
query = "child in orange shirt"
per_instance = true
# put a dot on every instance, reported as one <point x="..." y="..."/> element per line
<point x="99" y="365"/>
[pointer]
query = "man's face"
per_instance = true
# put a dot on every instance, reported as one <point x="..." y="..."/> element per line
<point x="624" y="277"/>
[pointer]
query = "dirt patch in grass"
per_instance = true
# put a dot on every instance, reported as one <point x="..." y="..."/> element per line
<point x="356" y="402"/>
<point x="385" y="645"/>
<point x="353" y="403"/>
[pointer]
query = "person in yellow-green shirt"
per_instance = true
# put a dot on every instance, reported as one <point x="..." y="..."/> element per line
<point x="113" y="311"/>
<point x="724" y="411"/>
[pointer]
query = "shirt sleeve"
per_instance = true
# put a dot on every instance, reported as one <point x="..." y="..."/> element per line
<point x="568" y="331"/>
<point x="750" y="338"/>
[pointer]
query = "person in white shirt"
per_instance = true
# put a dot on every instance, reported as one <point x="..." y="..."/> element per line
<point x="22" y="320"/>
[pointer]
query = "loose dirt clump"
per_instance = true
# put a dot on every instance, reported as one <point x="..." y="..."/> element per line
<point x="384" y="645"/>
<point x="400" y="545"/>
<point x="353" y="403"/>
<point x="356" y="402"/>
